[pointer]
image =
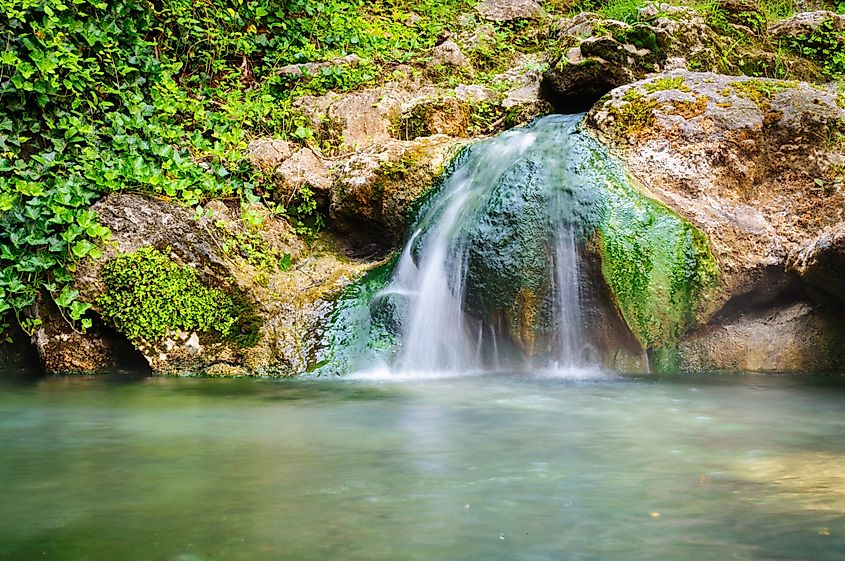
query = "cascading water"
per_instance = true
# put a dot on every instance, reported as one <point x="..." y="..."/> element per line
<point x="441" y="330"/>
<point x="537" y="252"/>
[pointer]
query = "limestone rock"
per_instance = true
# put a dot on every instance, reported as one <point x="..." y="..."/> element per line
<point x="796" y="337"/>
<point x="354" y="120"/>
<point x="449" y="54"/>
<point x="805" y="24"/>
<point x="509" y="10"/>
<point x="429" y="116"/>
<point x="377" y="187"/>
<point x="314" y="68"/>
<point x="267" y="154"/>
<point x="598" y="55"/>
<point x="283" y="303"/>
<point x="821" y="263"/>
<point x="304" y="167"/>
<point x="753" y="163"/>
<point x="62" y="349"/>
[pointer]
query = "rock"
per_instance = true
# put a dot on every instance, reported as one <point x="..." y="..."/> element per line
<point x="752" y="163"/>
<point x="474" y="93"/>
<point x="62" y="349"/>
<point x="354" y="120"/>
<point x="377" y="187"/>
<point x="598" y="55"/>
<point x="805" y="23"/>
<point x="821" y="263"/>
<point x="18" y="357"/>
<point x="523" y="85"/>
<point x="449" y="54"/>
<point x="795" y="337"/>
<point x="510" y="10"/>
<point x="304" y="167"/>
<point x="278" y="303"/>
<point x="267" y="154"/>
<point x="429" y="116"/>
<point x="314" y="68"/>
<point x="745" y="13"/>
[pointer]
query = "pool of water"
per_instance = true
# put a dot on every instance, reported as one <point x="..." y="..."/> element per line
<point x="489" y="467"/>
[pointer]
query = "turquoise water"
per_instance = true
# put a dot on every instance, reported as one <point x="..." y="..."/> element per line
<point x="491" y="467"/>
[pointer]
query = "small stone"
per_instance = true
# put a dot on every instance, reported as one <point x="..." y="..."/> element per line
<point x="266" y="154"/>
<point x="449" y="54"/>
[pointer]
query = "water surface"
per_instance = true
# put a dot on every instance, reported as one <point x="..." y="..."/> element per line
<point x="487" y="467"/>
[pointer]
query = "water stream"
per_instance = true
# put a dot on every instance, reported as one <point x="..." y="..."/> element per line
<point x="440" y="272"/>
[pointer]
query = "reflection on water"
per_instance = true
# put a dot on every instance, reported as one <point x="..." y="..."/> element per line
<point x="483" y="467"/>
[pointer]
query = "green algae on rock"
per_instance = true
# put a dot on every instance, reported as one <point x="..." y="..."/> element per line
<point x="657" y="265"/>
<point x="360" y="332"/>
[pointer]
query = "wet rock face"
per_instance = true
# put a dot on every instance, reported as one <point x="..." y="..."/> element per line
<point x="509" y="264"/>
<point x="756" y="165"/>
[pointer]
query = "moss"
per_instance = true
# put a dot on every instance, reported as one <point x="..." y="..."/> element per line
<point x="689" y="109"/>
<point x="759" y="91"/>
<point x="148" y="295"/>
<point x="666" y="83"/>
<point x="657" y="265"/>
<point x="362" y="328"/>
<point x="635" y="116"/>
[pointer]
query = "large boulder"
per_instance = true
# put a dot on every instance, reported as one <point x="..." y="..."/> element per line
<point x="245" y="293"/>
<point x="756" y="165"/>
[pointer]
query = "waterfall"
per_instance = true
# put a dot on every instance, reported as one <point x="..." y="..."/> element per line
<point x="449" y="324"/>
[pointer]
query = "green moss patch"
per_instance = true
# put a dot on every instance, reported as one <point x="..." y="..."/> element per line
<point x="657" y="265"/>
<point x="147" y="295"/>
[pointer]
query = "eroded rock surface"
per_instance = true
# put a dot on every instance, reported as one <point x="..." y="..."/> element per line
<point x="755" y="164"/>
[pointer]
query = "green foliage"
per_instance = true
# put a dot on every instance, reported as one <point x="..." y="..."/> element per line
<point x="778" y="9"/>
<point x="825" y="46"/>
<point x="147" y="295"/>
<point x="622" y="10"/>
<point x="157" y="97"/>
<point x="619" y="10"/>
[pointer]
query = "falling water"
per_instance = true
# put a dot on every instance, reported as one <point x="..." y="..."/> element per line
<point x="437" y="332"/>
<point x="569" y="337"/>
